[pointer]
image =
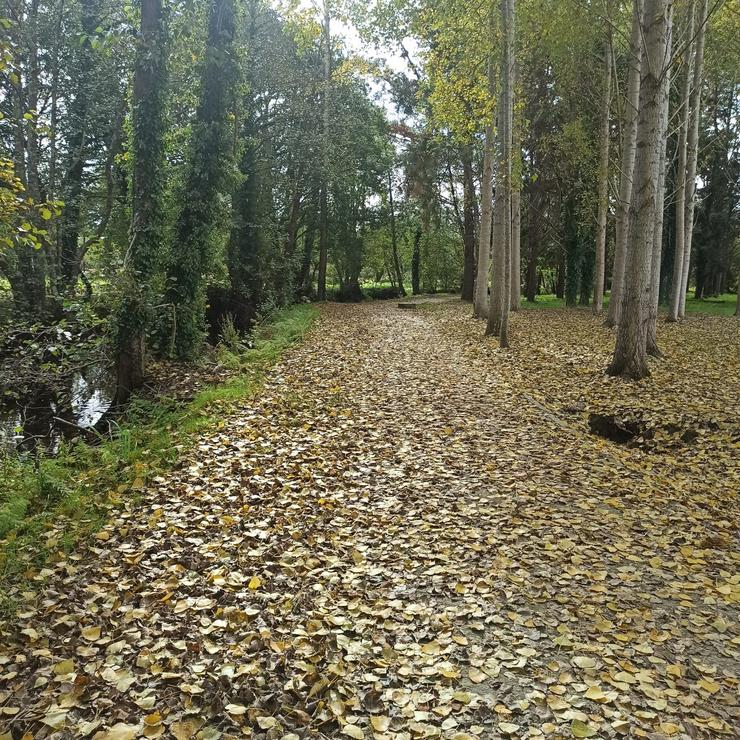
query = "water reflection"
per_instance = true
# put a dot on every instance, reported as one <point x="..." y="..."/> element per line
<point x="43" y="421"/>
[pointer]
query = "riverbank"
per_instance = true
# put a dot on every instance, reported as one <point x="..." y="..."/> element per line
<point x="48" y="503"/>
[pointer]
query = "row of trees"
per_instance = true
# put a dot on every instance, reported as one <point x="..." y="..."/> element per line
<point x="227" y="156"/>
<point x="171" y="157"/>
<point x="564" y="151"/>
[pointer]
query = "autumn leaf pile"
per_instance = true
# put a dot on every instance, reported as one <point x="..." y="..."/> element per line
<point x="409" y="536"/>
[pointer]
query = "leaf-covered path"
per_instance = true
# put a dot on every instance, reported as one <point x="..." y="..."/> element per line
<point x="406" y="537"/>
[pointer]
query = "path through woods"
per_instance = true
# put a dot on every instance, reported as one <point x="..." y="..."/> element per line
<point x="406" y="536"/>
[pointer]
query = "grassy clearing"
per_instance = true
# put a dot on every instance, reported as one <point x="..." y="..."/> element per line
<point x="723" y="305"/>
<point x="47" y="504"/>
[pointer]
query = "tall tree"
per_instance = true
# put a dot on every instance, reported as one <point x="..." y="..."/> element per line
<point x="692" y="153"/>
<point x="394" y="238"/>
<point x="498" y="312"/>
<point x="205" y="184"/>
<point x="629" y="140"/>
<point x="603" y="174"/>
<point x="480" y="306"/>
<point x="469" y="224"/>
<point x="655" y="261"/>
<point x="324" y="194"/>
<point x="630" y="352"/>
<point x="133" y="313"/>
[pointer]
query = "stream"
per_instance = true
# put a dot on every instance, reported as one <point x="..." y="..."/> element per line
<point x="50" y="417"/>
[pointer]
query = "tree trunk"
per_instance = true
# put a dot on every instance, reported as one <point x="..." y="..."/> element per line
<point x="415" y="262"/>
<point x="630" y="352"/>
<point x="480" y="308"/>
<point x="134" y="309"/>
<point x="603" y="175"/>
<point x="468" y="281"/>
<point x="681" y="182"/>
<point x="394" y="240"/>
<point x="324" y="196"/>
<point x="665" y="93"/>
<point x="206" y="180"/>
<point x="534" y="218"/>
<point x="498" y="312"/>
<point x="628" y="165"/>
<point x="692" y="153"/>
<point x="516" y="258"/>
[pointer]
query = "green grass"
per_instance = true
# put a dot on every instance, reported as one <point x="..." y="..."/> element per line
<point x="723" y="305"/>
<point x="47" y="504"/>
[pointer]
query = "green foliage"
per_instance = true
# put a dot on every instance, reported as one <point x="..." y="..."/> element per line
<point x="48" y="503"/>
<point x="202" y="210"/>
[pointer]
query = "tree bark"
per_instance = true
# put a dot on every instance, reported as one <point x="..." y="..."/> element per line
<point x="394" y="240"/>
<point x="603" y="175"/>
<point x="498" y="312"/>
<point x="630" y="352"/>
<point x="324" y="195"/>
<point x="692" y="153"/>
<point x="468" y="281"/>
<point x="681" y="147"/>
<point x="134" y="311"/>
<point x="665" y="93"/>
<point x="480" y="308"/>
<point x="416" y="262"/>
<point x="628" y="165"/>
<point x="516" y="257"/>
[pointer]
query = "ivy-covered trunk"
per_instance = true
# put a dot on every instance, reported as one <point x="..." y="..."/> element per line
<point x="134" y="310"/>
<point x="206" y="182"/>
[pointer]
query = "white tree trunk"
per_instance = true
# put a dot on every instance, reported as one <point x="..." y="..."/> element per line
<point x="603" y="185"/>
<point x="629" y="138"/>
<point x="665" y="93"/>
<point x="480" y="304"/>
<point x="630" y="352"/>
<point x="516" y="256"/>
<point x="683" y="127"/>
<point x="692" y="152"/>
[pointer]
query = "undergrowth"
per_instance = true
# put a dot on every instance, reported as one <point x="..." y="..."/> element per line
<point x="47" y="504"/>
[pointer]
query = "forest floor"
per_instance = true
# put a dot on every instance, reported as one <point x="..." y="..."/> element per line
<point x="410" y="534"/>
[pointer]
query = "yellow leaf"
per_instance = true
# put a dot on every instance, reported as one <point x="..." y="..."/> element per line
<point x="596" y="694"/>
<point x="64" y="667"/>
<point x="431" y="648"/>
<point x="120" y="731"/>
<point x="583" y="661"/>
<point x="91" y="633"/>
<point x="353" y="731"/>
<point x="380" y="724"/>
<point x="153" y="719"/>
<point x="669" y="728"/>
<point x="476" y="675"/>
<point x="255" y="582"/>
<point x="710" y="686"/>
<point x="582" y="729"/>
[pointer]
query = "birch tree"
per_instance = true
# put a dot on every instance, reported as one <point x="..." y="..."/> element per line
<point x="480" y="305"/>
<point x="665" y="94"/>
<point x="630" y="352"/>
<point x="629" y="138"/>
<point x="692" y="153"/>
<point x="324" y="194"/>
<point x="603" y="174"/>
